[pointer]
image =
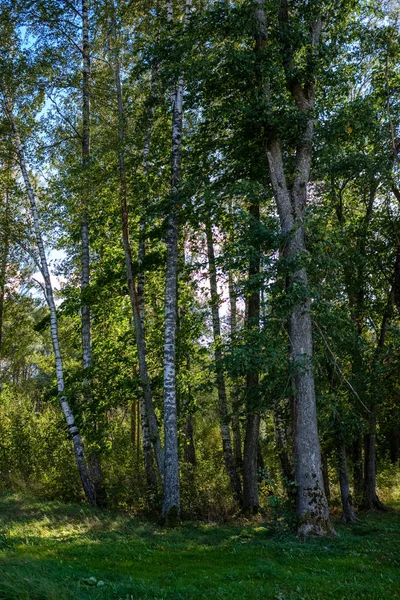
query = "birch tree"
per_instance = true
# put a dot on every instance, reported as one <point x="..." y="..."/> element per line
<point x="171" y="505"/>
<point x="79" y="451"/>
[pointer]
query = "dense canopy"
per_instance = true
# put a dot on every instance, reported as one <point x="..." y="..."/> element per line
<point x="200" y="255"/>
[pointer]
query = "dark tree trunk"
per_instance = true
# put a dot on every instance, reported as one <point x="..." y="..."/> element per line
<point x="236" y="428"/>
<point x="250" y="467"/>
<point x="260" y="458"/>
<point x="394" y="444"/>
<point x="358" y="471"/>
<point x="347" y="500"/>
<point x="250" y="479"/>
<point x="370" y="499"/>
<point x="189" y="451"/>
<point x="223" y="403"/>
<point x="325" y="475"/>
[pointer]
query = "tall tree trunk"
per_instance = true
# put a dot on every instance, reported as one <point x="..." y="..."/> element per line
<point x="172" y="503"/>
<point x="250" y="463"/>
<point x="223" y="403"/>
<point x="347" y="501"/>
<point x="312" y="506"/>
<point x="236" y="430"/>
<point x="189" y="451"/>
<point x="93" y="456"/>
<point x="69" y="417"/>
<point x="394" y="444"/>
<point x="370" y="499"/>
<point x="291" y="197"/>
<point x="358" y="472"/>
<point x="150" y="433"/>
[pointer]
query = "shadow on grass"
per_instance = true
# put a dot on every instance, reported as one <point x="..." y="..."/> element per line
<point x="49" y="550"/>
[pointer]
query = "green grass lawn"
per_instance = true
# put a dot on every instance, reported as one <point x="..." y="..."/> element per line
<point x="55" y="551"/>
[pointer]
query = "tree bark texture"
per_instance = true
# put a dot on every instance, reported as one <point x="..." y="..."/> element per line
<point x="172" y="504"/>
<point x="69" y="417"/>
<point x="290" y="198"/>
<point x="222" y="397"/>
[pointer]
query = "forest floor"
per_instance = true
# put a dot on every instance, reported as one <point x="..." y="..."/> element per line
<point x="55" y="551"/>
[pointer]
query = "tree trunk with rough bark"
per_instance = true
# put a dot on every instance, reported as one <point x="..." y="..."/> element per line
<point x="79" y="451"/>
<point x="172" y="503"/>
<point x="150" y="433"/>
<point x="349" y="515"/>
<point x="291" y="196"/>
<point x="222" y="397"/>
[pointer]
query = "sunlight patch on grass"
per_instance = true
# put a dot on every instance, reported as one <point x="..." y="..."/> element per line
<point x="51" y="550"/>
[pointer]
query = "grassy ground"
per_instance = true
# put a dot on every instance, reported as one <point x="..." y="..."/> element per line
<point x="53" y="551"/>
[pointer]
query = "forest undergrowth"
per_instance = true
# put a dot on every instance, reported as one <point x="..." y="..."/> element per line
<point x="52" y="550"/>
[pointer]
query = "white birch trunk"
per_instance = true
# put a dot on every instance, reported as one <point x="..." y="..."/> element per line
<point x="236" y="429"/>
<point x="171" y="504"/>
<point x="69" y="417"/>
